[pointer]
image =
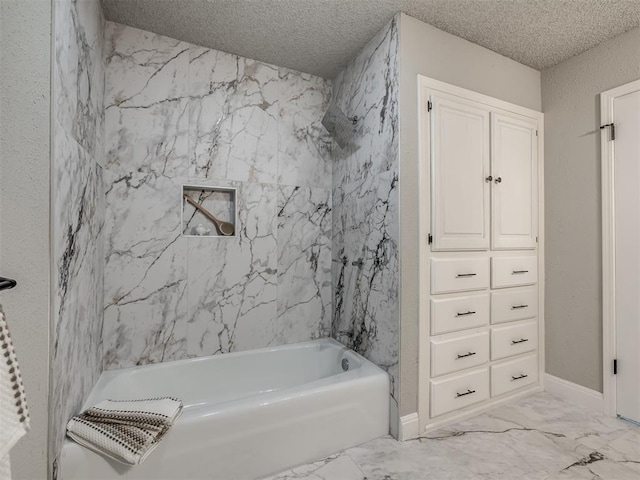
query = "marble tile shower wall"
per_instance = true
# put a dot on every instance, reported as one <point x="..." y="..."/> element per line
<point x="77" y="210"/>
<point x="365" y="232"/>
<point x="181" y="114"/>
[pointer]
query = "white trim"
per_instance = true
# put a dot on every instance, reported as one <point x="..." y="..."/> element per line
<point x="574" y="393"/>
<point x="608" y="246"/>
<point x="409" y="427"/>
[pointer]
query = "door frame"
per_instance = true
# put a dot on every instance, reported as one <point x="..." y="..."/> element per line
<point x="609" y="326"/>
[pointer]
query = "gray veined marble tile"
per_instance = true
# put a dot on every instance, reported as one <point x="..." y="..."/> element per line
<point x="304" y="263"/>
<point x="232" y="281"/>
<point x="578" y="425"/>
<point x="78" y="74"/>
<point x="233" y="119"/>
<point x="336" y="467"/>
<point x="365" y="314"/>
<point x="593" y="464"/>
<point x="146" y="107"/>
<point x="145" y="312"/>
<point x="368" y="89"/>
<point x="78" y="221"/>
<point x="304" y="145"/>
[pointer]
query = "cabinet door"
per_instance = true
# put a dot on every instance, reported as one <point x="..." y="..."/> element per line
<point x="514" y="167"/>
<point x="460" y="163"/>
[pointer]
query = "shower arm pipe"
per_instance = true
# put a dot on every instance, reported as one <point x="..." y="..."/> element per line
<point x="7" y="283"/>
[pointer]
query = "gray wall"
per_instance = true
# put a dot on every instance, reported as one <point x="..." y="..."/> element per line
<point x="570" y="101"/>
<point x="428" y="51"/>
<point x="25" y="54"/>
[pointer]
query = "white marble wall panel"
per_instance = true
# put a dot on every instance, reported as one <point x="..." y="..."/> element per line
<point x="367" y="88"/>
<point x="78" y="74"/>
<point x="78" y="280"/>
<point x="181" y="114"/>
<point x="304" y="263"/>
<point x="234" y="117"/>
<point x="365" y="272"/>
<point x="305" y="146"/>
<point x="146" y="141"/>
<point x="232" y="281"/>
<point x="77" y="210"/>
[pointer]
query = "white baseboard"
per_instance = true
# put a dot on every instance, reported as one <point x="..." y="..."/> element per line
<point x="574" y="393"/>
<point x="409" y="427"/>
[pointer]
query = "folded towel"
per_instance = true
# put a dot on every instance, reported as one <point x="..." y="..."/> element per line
<point x="125" y="430"/>
<point x="14" y="416"/>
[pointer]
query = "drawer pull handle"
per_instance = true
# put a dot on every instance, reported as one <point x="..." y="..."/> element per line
<point x="465" y="313"/>
<point x="522" y="340"/>
<point x="515" y="307"/>
<point x="518" y="272"/>
<point x="461" y="275"/>
<point x="519" y="377"/>
<point x="468" y="392"/>
<point x="466" y="355"/>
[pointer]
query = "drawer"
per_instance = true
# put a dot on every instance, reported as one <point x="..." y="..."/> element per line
<point x="459" y="274"/>
<point x="514" y="304"/>
<point x="459" y="353"/>
<point x="513" y="271"/>
<point x="514" y="374"/>
<point x="459" y="313"/>
<point x="458" y="392"/>
<point x="513" y="339"/>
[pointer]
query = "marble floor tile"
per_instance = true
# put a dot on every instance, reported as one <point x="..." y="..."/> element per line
<point x="540" y="437"/>
<point x="335" y="467"/>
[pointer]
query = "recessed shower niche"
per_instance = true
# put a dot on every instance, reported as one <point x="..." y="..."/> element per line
<point x="208" y="211"/>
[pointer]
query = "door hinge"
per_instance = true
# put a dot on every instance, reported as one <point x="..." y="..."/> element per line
<point x="536" y="133"/>
<point x="612" y="131"/>
<point x="615" y="366"/>
<point x="429" y="106"/>
<point x="536" y="239"/>
<point x="430" y="238"/>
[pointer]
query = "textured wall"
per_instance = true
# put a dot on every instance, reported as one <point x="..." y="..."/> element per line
<point x="431" y="52"/>
<point x="77" y="210"/>
<point x="365" y="201"/>
<point x="177" y="113"/>
<point x="25" y="55"/>
<point x="570" y="101"/>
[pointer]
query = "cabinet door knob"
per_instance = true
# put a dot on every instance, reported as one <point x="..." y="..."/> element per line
<point x="499" y="180"/>
<point x="488" y="179"/>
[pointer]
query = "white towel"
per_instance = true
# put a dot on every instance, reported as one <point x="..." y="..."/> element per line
<point x="126" y="431"/>
<point x="14" y="416"/>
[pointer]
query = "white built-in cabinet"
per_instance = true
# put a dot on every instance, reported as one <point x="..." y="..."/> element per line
<point x="481" y="299"/>
<point x="484" y="177"/>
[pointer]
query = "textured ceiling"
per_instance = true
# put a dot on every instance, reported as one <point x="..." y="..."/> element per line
<point x="321" y="36"/>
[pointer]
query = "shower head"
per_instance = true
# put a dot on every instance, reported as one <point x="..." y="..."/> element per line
<point x="341" y="127"/>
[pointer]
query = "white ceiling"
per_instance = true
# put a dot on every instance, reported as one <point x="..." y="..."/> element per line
<point x="321" y="36"/>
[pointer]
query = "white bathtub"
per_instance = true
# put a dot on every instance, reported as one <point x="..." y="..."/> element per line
<point x="247" y="414"/>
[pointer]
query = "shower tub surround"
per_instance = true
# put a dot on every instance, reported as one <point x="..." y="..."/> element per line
<point x="365" y="232"/>
<point x="77" y="211"/>
<point x="179" y="114"/>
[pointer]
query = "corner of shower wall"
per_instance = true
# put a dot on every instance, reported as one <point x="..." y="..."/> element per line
<point x="366" y="229"/>
<point x="77" y="211"/>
